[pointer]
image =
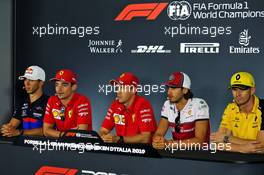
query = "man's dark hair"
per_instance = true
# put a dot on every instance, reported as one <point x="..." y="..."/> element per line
<point x="188" y="95"/>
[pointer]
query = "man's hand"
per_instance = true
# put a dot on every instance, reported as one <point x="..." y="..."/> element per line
<point x="217" y="137"/>
<point x="8" y="130"/>
<point x="110" y="138"/>
<point x="252" y="147"/>
<point x="5" y="128"/>
<point x="158" y="142"/>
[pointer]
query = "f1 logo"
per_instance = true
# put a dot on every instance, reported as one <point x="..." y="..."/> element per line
<point x="48" y="170"/>
<point x="149" y="10"/>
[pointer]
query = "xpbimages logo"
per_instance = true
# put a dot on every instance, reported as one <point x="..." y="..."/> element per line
<point x="146" y="89"/>
<point x="64" y="30"/>
<point x="183" y="146"/>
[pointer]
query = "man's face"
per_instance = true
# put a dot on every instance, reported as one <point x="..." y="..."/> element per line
<point x="31" y="86"/>
<point x="125" y="93"/>
<point x="64" y="89"/>
<point x="175" y="94"/>
<point x="242" y="96"/>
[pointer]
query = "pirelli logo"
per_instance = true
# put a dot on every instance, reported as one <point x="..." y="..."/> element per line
<point x="199" y="48"/>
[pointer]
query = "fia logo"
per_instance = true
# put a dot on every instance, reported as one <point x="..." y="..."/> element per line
<point x="179" y="10"/>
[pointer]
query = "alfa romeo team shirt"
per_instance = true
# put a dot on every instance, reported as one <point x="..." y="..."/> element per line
<point x="137" y="118"/>
<point x="78" y="111"/>
<point x="195" y="109"/>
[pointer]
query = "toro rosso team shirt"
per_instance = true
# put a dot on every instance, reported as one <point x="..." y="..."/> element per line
<point x="182" y="123"/>
<point x="31" y="114"/>
<point x="78" y="111"/>
<point x="137" y="118"/>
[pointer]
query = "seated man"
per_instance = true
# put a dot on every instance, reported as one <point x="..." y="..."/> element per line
<point x="242" y="122"/>
<point x="30" y="112"/>
<point x="67" y="109"/>
<point x="130" y="114"/>
<point x="187" y="117"/>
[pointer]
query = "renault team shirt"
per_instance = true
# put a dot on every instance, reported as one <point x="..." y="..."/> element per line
<point x="78" y="111"/>
<point x="31" y="114"/>
<point x="242" y="125"/>
<point x="137" y="118"/>
<point x="194" y="110"/>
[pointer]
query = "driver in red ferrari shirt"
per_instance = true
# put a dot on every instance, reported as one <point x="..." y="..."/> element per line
<point x="67" y="109"/>
<point x="130" y="114"/>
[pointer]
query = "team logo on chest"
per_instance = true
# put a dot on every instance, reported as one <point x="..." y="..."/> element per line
<point x="133" y="118"/>
<point x="119" y="119"/>
<point x="70" y="113"/>
<point x="24" y="113"/>
<point x="255" y="122"/>
<point x="56" y="114"/>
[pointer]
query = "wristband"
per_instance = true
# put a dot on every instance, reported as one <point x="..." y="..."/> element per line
<point x="226" y="139"/>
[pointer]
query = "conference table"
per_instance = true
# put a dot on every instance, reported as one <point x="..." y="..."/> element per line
<point x="40" y="155"/>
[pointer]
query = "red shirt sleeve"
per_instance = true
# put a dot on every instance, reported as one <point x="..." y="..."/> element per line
<point x="109" y="122"/>
<point x="147" y="122"/>
<point x="84" y="112"/>
<point x="49" y="118"/>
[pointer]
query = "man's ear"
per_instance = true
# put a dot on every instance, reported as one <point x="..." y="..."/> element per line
<point x="185" y="90"/>
<point x="74" y="87"/>
<point x="253" y="90"/>
<point x="41" y="83"/>
<point x="133" y="89"/>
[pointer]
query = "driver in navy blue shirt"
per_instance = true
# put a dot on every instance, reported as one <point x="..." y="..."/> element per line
<point x="30" y="112"/>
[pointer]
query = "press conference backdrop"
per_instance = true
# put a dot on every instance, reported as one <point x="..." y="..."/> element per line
<point x="6" y="60"/>
<point x="99" y="40"/>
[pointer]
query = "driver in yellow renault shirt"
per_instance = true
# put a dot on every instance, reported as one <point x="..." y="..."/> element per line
<point x="242" y="122"/>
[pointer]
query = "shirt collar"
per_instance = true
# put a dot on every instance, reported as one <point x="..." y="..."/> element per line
<point x="71" y="102"/>
<point x="173" y="105"/>
<point x="255" y="106"/>
<point x="36" y="101"/>
<point x="132" y="106"/>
